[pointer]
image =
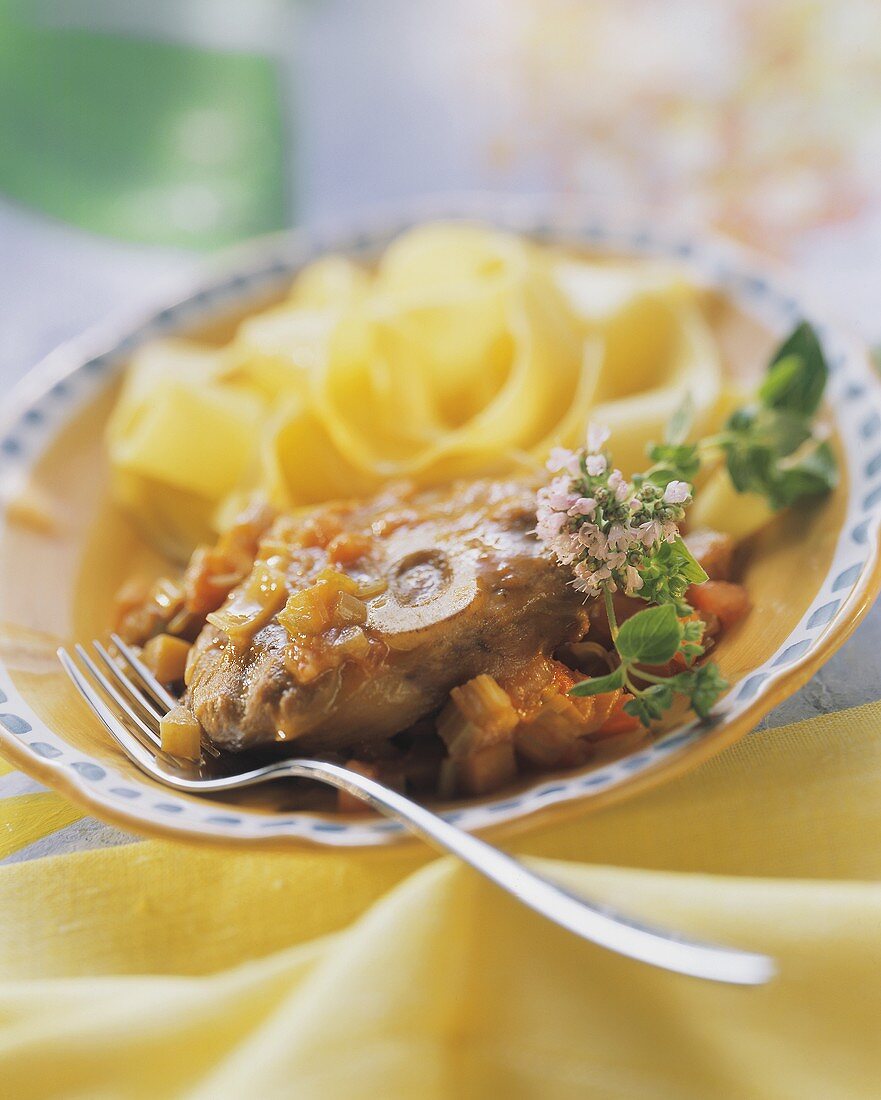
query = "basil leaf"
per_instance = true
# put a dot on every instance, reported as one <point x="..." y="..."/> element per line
<point x="797" y="374"/>
<point x="806" y="475"/>
<point x="599" y="685"/>
<point x="649" y="705"/>
<point x="650" y="637"/>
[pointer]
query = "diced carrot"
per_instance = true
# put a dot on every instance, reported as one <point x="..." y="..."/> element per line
<point x="349" y="803"/>
<point x="619" y="721"/>
<point x="348" y="547"/>
<point x="729" y="602"/>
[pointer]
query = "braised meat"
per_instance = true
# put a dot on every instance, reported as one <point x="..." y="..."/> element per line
<point x="358" y="619"/>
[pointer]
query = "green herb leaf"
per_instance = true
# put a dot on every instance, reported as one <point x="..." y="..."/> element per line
<point x="599" y="685"/>
<point x="650" y="637"/>
<point x="759" y="439"/>
<point x="673" y="462"/>
<point x="702" y="685"/>
<point x="668" y="573"/>
<point x="797" y="374"/>
<point x="649" y="705"/>
<point x="804" y="475"/>
<point x="687" y="564"/>
<point x="692" y="640"/>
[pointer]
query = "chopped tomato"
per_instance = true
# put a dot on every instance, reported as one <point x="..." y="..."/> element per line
<point x="729" y="602"/>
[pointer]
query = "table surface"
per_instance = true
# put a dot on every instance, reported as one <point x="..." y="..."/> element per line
<point x="56" y="280"/>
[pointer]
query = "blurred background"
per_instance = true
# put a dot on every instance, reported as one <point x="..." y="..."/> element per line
<point x="136" y="137"/>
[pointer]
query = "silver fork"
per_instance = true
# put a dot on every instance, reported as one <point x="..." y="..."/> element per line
<point x="130" y="702"/>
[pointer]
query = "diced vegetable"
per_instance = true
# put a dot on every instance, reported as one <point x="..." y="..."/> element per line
<point x="603" y="705"/>
<point x="181" y="733"/>
<point x="306" y="612"/>
<point x="728" y="601"/>
<point x="619" y="721"/>
<point x="348" y="547"/>
<point x="478" y="714"/>
<point x="353" y="643"/>
<point x="544" y="738"/>
<point x="349" y="610"/>
<point x="314" y="609"/>
<point x="252" y="605"/>
<point x="388" y="772"/>
<point x="166" y="657"/>
<point x="209" y="578"/>
<point x="480" y="772"/>
<point x="485" y="704"/>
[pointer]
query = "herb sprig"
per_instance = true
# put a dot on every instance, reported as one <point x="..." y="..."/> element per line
<point x="653" y="638"/>
<point x="619" y="534"/>
<point x="771" y="445"/>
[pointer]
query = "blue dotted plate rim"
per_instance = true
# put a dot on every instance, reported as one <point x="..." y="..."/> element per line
<point x="76" y="372"/>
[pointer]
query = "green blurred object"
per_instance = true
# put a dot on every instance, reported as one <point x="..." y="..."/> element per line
<point x="141" y="139"/>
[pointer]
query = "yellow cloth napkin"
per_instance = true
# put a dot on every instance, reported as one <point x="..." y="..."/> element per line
<point x="160" y="970"/>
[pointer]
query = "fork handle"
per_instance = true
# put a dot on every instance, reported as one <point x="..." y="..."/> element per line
<point x="600" y="924"/>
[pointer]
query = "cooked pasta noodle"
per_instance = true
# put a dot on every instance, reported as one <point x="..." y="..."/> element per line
<point x="466" y="351"/>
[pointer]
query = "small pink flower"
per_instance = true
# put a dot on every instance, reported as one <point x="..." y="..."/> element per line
<point x="597" y="435"/>
<point x="566" y="548"/>
<point x="634" y="580"/>
<point x="596" y="465"/>
<point x="619" y="537"/>
<point x="561" y="458"/>
<point x="677" y="492"/>
<point x="650" y="533"/>
<point x="618" y="485"/>
<point x="583" y="506"/>
<point x="560" y="500"/>
<point x="549" y="525"/>
<point x="594" y="539"/>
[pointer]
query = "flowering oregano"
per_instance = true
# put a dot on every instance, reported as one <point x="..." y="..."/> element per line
<point x="618" y="534"/>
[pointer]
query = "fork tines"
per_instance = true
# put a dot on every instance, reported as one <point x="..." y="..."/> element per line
<point x="129" y="701"/>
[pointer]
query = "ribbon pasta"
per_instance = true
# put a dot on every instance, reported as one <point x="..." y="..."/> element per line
<point x="466" y="352"/>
